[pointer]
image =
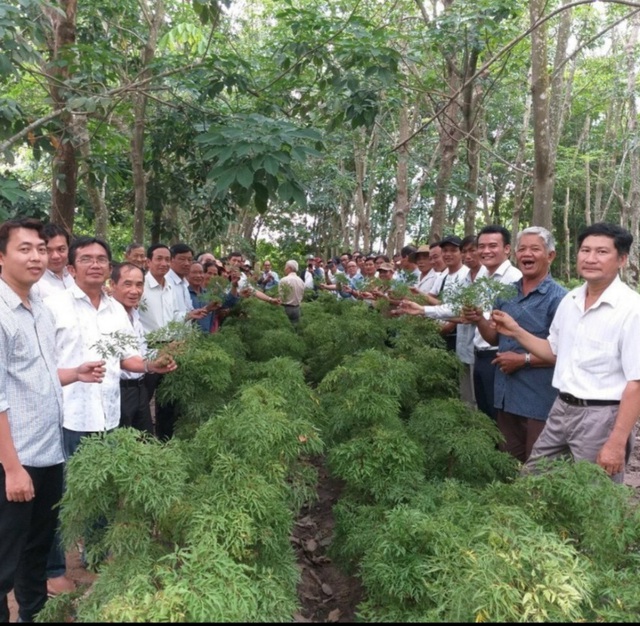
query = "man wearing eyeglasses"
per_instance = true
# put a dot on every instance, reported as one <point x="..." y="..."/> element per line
<point x="88" y="322"/>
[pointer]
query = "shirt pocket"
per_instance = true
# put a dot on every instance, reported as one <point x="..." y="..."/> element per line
<point x="599" y="357"/>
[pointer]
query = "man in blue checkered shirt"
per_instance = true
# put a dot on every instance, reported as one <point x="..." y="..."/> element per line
<point x="31" y="452"/>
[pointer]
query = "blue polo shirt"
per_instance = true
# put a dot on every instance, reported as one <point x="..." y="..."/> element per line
<point x="528" y="391"/>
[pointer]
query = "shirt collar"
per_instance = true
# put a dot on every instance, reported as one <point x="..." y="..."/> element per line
<point x="502" y="268"/>
<point x="10" y="297"/>
<point x="612" y="295"/>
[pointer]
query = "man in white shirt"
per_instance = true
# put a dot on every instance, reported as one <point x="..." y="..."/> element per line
<point x="91" y="325"/>
<point x="291" y="290"/>
<point x="180" y="264"/>
<point x="455" y="272"/>
<point x="594" y="338"/>
<point x="157" y="309"/>
<point x="157" y="306"/>
<point x="494" y="246"/>
<point x="407" y="268"/>
<point x="56" y="277"/>
<point x="312" y="272"/>
<point x="127" y="282"/>
<point x="428" y="275"/>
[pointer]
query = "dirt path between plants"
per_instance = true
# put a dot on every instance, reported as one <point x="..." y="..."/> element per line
<point x="326" y="594"/>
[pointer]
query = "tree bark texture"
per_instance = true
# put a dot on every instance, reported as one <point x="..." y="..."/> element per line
<point x="64" y="166"/>
<point x="139" y="109"/>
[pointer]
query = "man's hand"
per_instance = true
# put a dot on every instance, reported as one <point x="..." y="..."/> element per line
<point x="91" y="372"/>
<point x="197" y="314"/>
<point x="471" y="314"/>
<point x="18" y="485"/>
<point x="410" y="307"/>
<point x="164" y="364"/>
<point x="504" y="323"/>
<point x="611" y="458"/>
<point x="509" y="362"/>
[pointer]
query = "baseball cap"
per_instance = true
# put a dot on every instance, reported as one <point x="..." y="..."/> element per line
<point x="452" y="240"/>
<point x="386" y="267"/>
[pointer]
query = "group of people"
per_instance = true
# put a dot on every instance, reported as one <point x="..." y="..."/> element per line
<point x="556" y="370"/>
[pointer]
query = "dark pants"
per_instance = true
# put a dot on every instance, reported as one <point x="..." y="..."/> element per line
<point x="483" y="376"/>
<point x="57" y="562"/>
<point x="134" y="405"/>
<point x="166" y="414"/>
<point x="520" y="433"/>
<point x="26" y="535"/>
<point x="293" y="313"/>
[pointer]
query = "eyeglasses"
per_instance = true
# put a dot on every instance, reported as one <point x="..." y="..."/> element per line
<point x="90" y="260"/>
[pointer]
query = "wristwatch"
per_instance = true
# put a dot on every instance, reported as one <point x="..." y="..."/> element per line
<point x="527" y="359"/>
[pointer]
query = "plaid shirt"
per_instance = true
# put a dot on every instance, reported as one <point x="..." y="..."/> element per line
<point x="30" y="390"/>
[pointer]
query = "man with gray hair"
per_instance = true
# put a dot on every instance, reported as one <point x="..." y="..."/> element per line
<point x="523" y="393"/>
<point x="291" y="289"/>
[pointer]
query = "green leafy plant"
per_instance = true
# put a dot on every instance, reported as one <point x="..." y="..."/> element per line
<point x="482" y="293"/>
<point x="115" y="345"/>
<point x="216" y="290"/>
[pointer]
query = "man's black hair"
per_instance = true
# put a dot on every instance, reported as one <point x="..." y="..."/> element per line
<point x="179" y="248"/>
<point x="83" y="242"/>
<point x="496" y="228"/>
<point x="622" y="238"/>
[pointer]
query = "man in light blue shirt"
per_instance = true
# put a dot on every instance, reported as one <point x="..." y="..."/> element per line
<point x="31" y="448"/>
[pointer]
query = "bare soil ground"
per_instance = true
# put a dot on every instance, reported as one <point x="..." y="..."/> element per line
<point x="326" y="594"/>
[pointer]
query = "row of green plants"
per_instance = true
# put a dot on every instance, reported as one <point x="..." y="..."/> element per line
<point x="438" y="524"/>
<point x="197" y="529"/>
<point x="433" y="518"/>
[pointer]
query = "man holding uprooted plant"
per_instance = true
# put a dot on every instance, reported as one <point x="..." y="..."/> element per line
<point x="523" y="394"/>
<point x="90" y="324"/>
<point x="494" y="247"/>
<point x="594" y="339"/>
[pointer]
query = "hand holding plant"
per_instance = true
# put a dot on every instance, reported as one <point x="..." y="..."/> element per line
<point x="481" y="294"/>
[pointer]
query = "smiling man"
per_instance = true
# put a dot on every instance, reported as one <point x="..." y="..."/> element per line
<point x="86" y="317"/>
<point x="523" y="393"/>
<point x="56" y="277"/>
<point x="31" y="444"/>
<point x="127" y="280"/>
<point x="494" y="247"/>
<point x="594" y="339"/>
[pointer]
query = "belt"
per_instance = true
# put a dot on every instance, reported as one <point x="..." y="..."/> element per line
<point x="292" y="306"/>
<point x="132" y="382"/>
<point x="569" y="399"/>
<point x="485" y="353"/>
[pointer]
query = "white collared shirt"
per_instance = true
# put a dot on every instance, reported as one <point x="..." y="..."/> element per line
<point x="157" y="305"/>
<point x="79" y="325"/>
<point x="134" y="319"/>
<point x="51" y="283"/>
<point x="597" y="349"/>
<point x="506" y="274"/>
<point x="181" y="294"/>
<point x="443" y="311"/>
<point x="425" y="284"/>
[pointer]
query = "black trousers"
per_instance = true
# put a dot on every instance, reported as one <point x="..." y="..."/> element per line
<point x="134" y="405"/>
<point x="26" y="536"/>
<point x="166" y="414"/>
<point x="483" y="378"/>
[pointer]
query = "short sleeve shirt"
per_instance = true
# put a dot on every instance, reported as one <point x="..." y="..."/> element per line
<point x="78" y="327"/>
<point x="597" y="349"/>
<point x="528" y="392"/>
<point x="30" y="390"/>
